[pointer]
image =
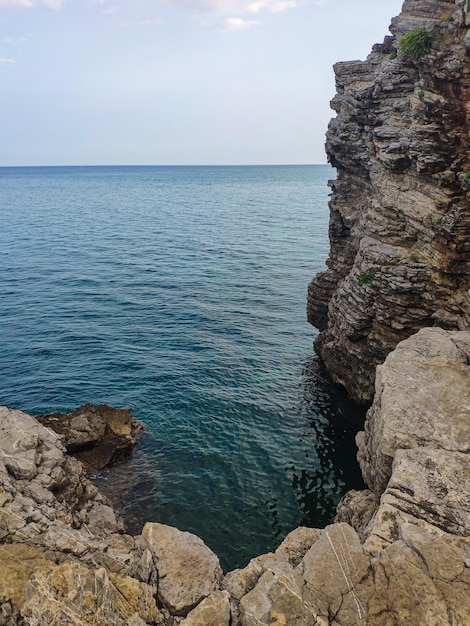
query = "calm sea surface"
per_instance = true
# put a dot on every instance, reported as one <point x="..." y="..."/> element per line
<point x="180" y="292"/>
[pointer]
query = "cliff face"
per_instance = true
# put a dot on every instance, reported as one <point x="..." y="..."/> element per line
<point x="399" y="212"/>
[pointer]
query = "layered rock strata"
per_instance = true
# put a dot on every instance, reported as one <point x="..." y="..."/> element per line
<point x="399" y="212"/>
<point x="398" y="553"/>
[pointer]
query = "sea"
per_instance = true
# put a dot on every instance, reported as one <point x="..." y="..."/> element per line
<point x="180" y="292"/>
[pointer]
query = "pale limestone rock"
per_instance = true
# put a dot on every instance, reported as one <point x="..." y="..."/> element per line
<point x="76" y="595"/>
<point x="18" y="562"/>
<point x="212" y="611"/>
<point x="426" y="488"/>
<point x="336" y="571"/>
<point x="188" y="570"/>
<point x="298" y="543"/>
<point x="240" y="581"/>
<point x="422" y="398"/>
<point x="276" y="597"/>
<point x="24" y="445"/>
<point x="356" y="508"/>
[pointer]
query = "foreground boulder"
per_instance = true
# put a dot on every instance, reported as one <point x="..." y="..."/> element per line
<point x="64" y="556"/>
<point x="188" y="570"/>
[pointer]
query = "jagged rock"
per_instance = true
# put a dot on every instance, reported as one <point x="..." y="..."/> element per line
<point x="336" y="571"/>
<point x="97" y="435"/>
<point x="212" y="611"/>
<point x="356" y="508"/>
<point x="44" y="495"/>
<point x="426" y="489"/>
<point x="422" y="399"/>
<point x="49" y="511"/>
<point x="188" y="571"/>
<point x="408" y="562"/>
<point x="297" y="543"/>
<point x="74" y="594"/>
<point x="399" y="212"/>
<point x="17" y="563"/>
<point x="276" y="597"/>
<point x="421" y="579"/>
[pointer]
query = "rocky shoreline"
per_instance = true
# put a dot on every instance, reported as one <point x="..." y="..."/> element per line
<point x="397" y="553"/>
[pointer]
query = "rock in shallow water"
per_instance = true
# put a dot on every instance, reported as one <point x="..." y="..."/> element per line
<point x="97" y="435"/>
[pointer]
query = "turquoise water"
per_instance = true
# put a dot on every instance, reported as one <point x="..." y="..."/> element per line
<point x="180" y="292"/>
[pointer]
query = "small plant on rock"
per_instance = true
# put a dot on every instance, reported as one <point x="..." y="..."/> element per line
<point x="363" y="279"/>
<point x="416" y="44"/>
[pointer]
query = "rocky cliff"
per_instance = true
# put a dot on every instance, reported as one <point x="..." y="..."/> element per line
<point x="399" y="212"/>
<point x="399" y="552"/>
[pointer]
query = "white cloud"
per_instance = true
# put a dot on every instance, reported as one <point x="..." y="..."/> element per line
<point x="278" y="7"/>
<point x="4" y="61"/>
<point x="232" y="24"/>
<point x="13" y="40"/>
<point x="237" y="6"/>
<point x="49" y="4"/>
<point x="52" y="4"/>
<point x="17" y="3"/>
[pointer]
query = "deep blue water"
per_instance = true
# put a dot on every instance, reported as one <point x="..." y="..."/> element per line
<point x="180" y="292"/>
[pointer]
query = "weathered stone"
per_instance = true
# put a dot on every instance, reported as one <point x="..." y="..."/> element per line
<point x="74" y="594"/>
<point x="425" y="489"/>
<point x="98" y="435"/>
<point x="422" y="398"/>
<point x="334" y="571"/>
<point x="298" y="543"/>
<point x="188" y="570"/>
<point x="276" y="597"/>
<point x="240" y="581"/>
<point x="18" y="562"/>
<point x="356" y="508"/>
<point x="212" y="611"/>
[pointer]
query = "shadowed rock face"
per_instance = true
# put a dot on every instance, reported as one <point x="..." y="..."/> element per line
<point x="399" y="212"/>
<point x="97" y="435"/>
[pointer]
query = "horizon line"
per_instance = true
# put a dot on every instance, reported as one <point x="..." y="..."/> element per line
<point x="171" y="165"/>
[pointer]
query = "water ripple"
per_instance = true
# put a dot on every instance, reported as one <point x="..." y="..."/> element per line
<point x="180" y="292"/>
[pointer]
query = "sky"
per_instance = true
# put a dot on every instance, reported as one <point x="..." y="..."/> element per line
<point x="175" y="82"/>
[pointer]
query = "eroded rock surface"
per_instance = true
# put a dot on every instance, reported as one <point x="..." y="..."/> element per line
<point x="97" y="435"/>
<point x="399" y="213"/>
